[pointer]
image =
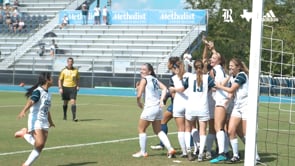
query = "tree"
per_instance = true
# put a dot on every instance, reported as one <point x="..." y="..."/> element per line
<point x="232" y="39"/>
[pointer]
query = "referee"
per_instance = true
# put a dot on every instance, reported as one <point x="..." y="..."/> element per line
<point x="68" y="84"/>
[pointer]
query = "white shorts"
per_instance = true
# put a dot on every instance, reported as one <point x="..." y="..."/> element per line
<point x="200" y="118"/>
<point x="178" y="110"/>
<point x="240" y="111"/>
<point x="152" y="113"/>
<point x="37" y="124"/>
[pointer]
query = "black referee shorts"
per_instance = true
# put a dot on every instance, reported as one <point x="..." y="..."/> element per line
<point x="69" y="93"/>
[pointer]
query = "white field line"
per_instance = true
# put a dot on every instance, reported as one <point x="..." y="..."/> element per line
<point x="78" y="145"/>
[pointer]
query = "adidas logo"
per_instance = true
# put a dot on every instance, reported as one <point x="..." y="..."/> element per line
<point x="270" y="17"/>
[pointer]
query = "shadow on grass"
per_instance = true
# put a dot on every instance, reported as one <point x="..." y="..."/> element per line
<point x="86" y="120"/>
<point x="76" y="164"/>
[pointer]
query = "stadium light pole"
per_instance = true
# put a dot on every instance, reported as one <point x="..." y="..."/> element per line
<point x="254" y="72"/>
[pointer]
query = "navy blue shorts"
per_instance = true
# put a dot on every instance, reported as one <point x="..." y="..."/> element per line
<point x="170" y="108"/>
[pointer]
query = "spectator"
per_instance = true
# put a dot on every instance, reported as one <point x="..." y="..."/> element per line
<point x="53" y="48"/>
<point x="14" y="22"/>
<point x="8" y="19"/>
<point x="21" y="25"/>
<point x="65" y="22"/>
<point x="104" y="15"/>
<point x="1" y="19"/>
<point x="85" y="13"/>
<point x="97" y="15"/>
<point x="16" y="3"/>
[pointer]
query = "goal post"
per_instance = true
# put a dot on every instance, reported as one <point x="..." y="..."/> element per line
<point x="254" y="72"/>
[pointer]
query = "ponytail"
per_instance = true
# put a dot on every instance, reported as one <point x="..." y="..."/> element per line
<point x="43" y="78"/>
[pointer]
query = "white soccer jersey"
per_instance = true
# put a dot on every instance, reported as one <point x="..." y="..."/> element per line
<point x="38" y="116"/>
<point x="220" y="75"/>
<point x="198" y="95"/>
<point x="242" y="93"/>
<point x="180" y="99"/>
<point x="152" y="92"/>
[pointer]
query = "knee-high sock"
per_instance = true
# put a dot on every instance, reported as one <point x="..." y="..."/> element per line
<point x="181" y="142"/>
<point x="74" y="111"/>
<point x="30" y="139"/>
<point x="187" y="138"/>
<point x="32" y="157"/>
<point x="142" y="142"/>
<point x="165" y="140"/>
<point x="235" y="146"/>
<point x="226" y="143"/>
<point x="220" y="139"/>
<point x="209" y="141"/>
<point x="164" y="128"/>
<point x="202" y="143"/>
<point x="65" y="107"/>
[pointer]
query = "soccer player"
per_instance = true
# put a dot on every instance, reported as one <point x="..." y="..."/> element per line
<point x="239" y="86"/>
<point x="168" y="114"/>
<point x="179" y="104"/>
<point x="217" y="62"/>
<point x="68" y="84"/>
<point x="198" y="86"/>
<point x="149" y="86"/>
<point x="39" y="117"/>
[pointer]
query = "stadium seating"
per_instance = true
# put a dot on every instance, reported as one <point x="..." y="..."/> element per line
<point x="97" y="48"/>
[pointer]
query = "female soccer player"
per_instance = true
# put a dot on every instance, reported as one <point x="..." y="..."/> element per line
<point x="179" y="104"/>
<point x="39" y="118"/>
<point x="198" y="86"/>
<point x="239" y="86"/>
<point x="168" y="114"/>
<point x="152" y="114"/>
<point x="221" y="103"/>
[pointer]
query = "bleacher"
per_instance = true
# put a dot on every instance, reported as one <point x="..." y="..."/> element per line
<point x="102" y="49"/>
<point x="95" y="48"/>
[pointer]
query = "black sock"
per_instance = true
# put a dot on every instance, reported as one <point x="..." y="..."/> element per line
<point x="74" y="111"/>
<point x="65" y="107"/>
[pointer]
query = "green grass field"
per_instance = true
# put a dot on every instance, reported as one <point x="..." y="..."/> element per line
<point x="106" y="135"/>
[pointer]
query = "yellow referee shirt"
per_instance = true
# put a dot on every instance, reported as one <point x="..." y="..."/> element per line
<point x="69" y="77"/>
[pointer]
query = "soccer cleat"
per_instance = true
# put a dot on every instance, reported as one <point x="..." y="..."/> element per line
<point x="183" y="156"/>
<point x="171" y="154"/>
<point x="200" y="157"/>
<point x="190" y="156"/>
<point x="21" y="133"/>
<point x="220" y="157"/>
<point x="157" y="147"/>
<point x="140" y="154"/>
<point x="75" y="120"/>
<point x="208" y="155"/>
<point x="234" y="159"/>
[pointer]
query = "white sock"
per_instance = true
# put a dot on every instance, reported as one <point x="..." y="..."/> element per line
<point x="235" y="147"/>
<point x="187" y="138"/>
<point x="220" y="140"/>
<point x="142" y="142"/>
<point x="226" y="143"/>
<point x="181" y="142"/>
<point x="165" y="140"/>
<point x="202" y="143"/>
<point x="30" y="139"/>
<point x="209" y="141"/>
<point x="32" y="157"/>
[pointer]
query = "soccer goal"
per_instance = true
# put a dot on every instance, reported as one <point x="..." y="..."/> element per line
<point x="271" y="123"/>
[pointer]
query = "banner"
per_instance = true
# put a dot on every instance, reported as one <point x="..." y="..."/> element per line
<point x="141" y="17"/>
